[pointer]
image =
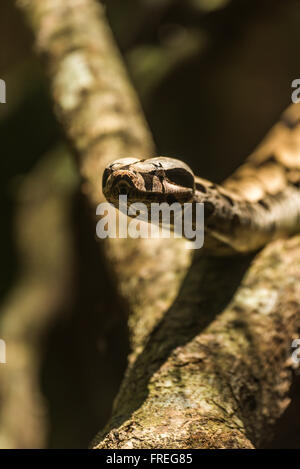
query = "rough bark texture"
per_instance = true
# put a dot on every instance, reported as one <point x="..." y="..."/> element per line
<point x="209" y="367"/>
<point x="212" y="376"/>
<point x="103" y="121"/>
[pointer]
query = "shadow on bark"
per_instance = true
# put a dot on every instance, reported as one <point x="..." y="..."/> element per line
<point x="195" y="307"/>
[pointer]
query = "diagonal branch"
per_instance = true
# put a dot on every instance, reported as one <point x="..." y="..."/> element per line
<point x="102" y="119"/>
<point x="215" y="373"/>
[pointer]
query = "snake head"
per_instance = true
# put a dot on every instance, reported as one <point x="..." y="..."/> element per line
<point x="159" y="180"/>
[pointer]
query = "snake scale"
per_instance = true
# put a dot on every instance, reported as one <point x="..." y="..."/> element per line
<point x="259" y="202"/>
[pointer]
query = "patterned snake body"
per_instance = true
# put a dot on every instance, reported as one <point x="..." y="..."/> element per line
<point x="259" y="202"/>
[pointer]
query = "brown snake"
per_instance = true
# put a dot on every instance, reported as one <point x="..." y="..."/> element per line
<point x="259" y="202"/>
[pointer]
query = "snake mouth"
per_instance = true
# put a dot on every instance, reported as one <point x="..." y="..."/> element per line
<point x="123" y="188"/>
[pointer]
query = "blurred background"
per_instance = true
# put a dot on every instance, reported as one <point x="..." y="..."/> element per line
<point x="212" y="77"/>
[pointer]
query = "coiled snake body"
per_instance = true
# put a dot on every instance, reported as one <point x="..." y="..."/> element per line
<point x="259" y="202"/>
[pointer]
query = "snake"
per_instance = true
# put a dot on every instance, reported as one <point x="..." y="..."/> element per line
<point x="258" y="203"/>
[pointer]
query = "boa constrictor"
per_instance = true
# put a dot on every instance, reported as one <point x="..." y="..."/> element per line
<point x="259" y="202"/>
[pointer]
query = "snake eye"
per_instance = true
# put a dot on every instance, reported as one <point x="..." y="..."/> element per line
<point x="181" y="177"/>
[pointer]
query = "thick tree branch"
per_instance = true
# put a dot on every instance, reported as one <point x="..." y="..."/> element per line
<point x="211" y="375"/>
<point x="202" y="373"/>
<point x="103" y="121"/>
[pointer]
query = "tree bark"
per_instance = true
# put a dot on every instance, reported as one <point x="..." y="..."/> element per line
<point x="102" y="119"/>
<point x="210" y="364"/>
<point x="216" y="371"/>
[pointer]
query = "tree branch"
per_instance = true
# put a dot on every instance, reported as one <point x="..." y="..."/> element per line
<point x="215" y="373"/>
<point x="102" y="120"/>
